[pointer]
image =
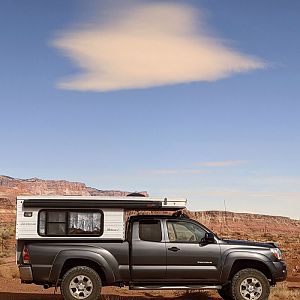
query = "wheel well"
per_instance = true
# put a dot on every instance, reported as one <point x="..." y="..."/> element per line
<point x="71" y="263"/>
<point x="241" y="264"/>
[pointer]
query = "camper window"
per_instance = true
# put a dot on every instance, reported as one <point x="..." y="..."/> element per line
<point x="70" y="223"/>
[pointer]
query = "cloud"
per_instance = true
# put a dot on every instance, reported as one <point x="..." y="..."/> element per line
<point x="224" y="163"/>
<point x="150" y="44"/>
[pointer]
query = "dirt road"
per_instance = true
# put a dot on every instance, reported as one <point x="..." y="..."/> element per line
<point x="12" y="290"/>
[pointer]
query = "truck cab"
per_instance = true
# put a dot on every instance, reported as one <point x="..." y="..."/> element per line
<point x="179" y="250"/>
<point x="81" y="244"/>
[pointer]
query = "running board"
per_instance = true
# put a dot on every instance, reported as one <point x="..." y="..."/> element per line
<point x="175" y="287"/>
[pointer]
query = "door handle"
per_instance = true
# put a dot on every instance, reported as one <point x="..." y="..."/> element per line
<point x="174" y="249"/>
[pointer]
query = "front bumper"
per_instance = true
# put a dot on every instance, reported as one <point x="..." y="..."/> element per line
<point x="281" y="271"/>
<point x="25" y="273"/>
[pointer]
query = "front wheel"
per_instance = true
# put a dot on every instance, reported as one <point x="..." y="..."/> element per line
<point x="250" y="284"/>
<point x="81" y="283"/>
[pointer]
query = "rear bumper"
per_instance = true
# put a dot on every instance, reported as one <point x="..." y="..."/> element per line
<point x="25" y="273"/>
<point x="281" y="271"/>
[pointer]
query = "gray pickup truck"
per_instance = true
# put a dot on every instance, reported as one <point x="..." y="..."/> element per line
<point x="158" y="252"/>
<point x="81" y="246"/>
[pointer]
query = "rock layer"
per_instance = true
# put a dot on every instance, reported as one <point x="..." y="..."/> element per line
<point x="11" y="187"/>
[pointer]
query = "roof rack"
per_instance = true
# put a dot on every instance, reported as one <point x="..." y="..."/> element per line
<point x="131" y="202"/>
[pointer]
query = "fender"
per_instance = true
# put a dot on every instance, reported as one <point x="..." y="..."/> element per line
<point x="102" y="257"/>
<point x="231" y="256"/>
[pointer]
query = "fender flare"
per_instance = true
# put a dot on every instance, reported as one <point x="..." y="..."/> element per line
<point x="231" y="257"/>
<point x="111" y="272"/>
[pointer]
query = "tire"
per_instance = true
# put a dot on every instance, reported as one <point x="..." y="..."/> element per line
<point x="225" y="292"/>
<point x="81" y="283"/>
<point x="250" y="284"/>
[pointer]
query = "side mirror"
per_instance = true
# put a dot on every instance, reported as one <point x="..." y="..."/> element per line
<point x="209" y="238"/>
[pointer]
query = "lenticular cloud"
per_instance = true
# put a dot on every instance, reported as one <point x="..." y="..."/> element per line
<point x="152" y="45"/>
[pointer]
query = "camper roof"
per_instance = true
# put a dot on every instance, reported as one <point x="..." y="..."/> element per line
<point x="131" y="202"/>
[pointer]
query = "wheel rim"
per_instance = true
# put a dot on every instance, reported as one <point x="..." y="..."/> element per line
<point x="251" y="288"/>
<point x="81" y="287"/>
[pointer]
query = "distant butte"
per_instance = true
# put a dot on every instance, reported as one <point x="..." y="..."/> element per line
<point x="220" y="222"/>
<point x="11" y="187"/>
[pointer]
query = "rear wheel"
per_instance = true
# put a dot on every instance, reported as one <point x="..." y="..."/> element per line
<point x="81" y="283"/>
<point x="250" y="284"/>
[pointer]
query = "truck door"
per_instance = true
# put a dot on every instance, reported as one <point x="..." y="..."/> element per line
<point x="148" y="251"/>
<point x="187" y="258"/>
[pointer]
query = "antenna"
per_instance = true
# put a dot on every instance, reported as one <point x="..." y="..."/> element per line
<point x="225" y="216"/>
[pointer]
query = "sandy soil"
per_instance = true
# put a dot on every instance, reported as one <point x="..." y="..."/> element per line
<point x="12" y="289"/>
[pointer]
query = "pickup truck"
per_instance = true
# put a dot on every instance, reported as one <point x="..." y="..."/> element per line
<point x="158" y="252"/>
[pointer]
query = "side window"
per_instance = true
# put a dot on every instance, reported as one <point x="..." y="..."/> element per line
<point x="70" y="223"/>
<point x="150" y="230"/>
<point x="84" y="223"/>
<point x="184" y="232"/>
<point x="56" y="223"/>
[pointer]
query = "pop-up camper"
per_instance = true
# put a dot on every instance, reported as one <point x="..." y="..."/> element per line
<point x="88" y="217"/>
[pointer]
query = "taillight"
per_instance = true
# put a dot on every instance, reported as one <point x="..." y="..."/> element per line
<point x="26" y="256"/>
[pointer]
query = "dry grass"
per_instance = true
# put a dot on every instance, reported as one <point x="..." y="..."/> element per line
<point x="7" y="240"/>
<point x="282" y="292"/>
<point x="110" y="293"/>
<point x="9" y="272"/>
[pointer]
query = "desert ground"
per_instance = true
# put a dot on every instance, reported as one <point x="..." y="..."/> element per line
<point x="287" y="237"/>
<point x="12" y="289"/>
<point x="289" y="242"/>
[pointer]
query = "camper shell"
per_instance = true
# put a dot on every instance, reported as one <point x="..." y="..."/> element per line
<point x="32" y="210"/>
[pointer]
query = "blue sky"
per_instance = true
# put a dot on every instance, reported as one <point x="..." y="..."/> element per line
<point x="233" y="137"/>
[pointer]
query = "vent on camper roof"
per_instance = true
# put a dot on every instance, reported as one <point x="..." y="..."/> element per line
<point x="135" y="194"/>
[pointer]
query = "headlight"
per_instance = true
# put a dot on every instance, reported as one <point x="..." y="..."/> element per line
<point x="277" y="253"/>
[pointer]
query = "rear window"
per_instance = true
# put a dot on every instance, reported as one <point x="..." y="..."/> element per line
<point x="70" y="223"/>
<point x="150" y="230"/>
